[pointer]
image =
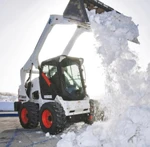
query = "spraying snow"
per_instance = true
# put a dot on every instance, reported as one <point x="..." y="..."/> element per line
<point x="127" y="96"/>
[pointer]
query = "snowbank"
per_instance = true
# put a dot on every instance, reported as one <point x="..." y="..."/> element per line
<point x="7" y="101"/>
<point x="131" y="130"/>
<point x="127" y="89"/>
<point x="7" y="97"/>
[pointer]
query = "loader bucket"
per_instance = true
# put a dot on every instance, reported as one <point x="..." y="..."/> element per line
<point x="75" y="9"/>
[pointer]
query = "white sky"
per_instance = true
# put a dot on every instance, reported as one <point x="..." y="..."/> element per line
<point x="22" y="23"/>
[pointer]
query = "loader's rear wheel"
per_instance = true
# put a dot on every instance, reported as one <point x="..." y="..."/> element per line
<point x="28" y="115"/>
<point x="52" y="118"/>
<point x="90" y="117"/>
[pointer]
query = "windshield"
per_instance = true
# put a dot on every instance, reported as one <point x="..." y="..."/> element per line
<point x="72" y="79"/>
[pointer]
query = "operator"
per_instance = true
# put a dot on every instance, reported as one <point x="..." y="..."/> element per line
<point x="68" y="86"/>
<point x="55" y="79"/>
<point x="63" y="69"/>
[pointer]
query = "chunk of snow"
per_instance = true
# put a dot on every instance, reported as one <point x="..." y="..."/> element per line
<point x="47" y="134"/>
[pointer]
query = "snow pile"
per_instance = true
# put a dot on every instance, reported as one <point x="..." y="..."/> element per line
<point x="131" y="130"/>
<point x="127" y="89"/>
<point x="68" y="140"/>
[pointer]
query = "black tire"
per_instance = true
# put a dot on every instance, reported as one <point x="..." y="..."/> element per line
<point x="90" y="117"/>
<point x="52" y="118"/>
<point x="29" y="115"/>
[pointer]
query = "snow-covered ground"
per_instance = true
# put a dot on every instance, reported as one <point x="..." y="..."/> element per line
<point x="126" y="100"/>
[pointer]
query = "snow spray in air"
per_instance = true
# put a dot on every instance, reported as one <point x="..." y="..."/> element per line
<point x="125" y="84"/>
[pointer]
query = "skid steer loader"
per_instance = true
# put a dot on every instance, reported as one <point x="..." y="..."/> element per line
<point x="57" y="94"/>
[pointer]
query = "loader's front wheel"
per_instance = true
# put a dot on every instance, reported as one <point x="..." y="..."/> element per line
<point x="52" y="118"/>
<point x="28" y="115"/>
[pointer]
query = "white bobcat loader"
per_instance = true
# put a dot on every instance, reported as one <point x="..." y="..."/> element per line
<point x="58" y="94"/>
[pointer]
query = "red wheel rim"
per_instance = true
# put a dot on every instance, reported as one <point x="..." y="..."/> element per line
<point x="24" y="117"/>
<point x="47" y="118"/>
<point x="90" y="117"/>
